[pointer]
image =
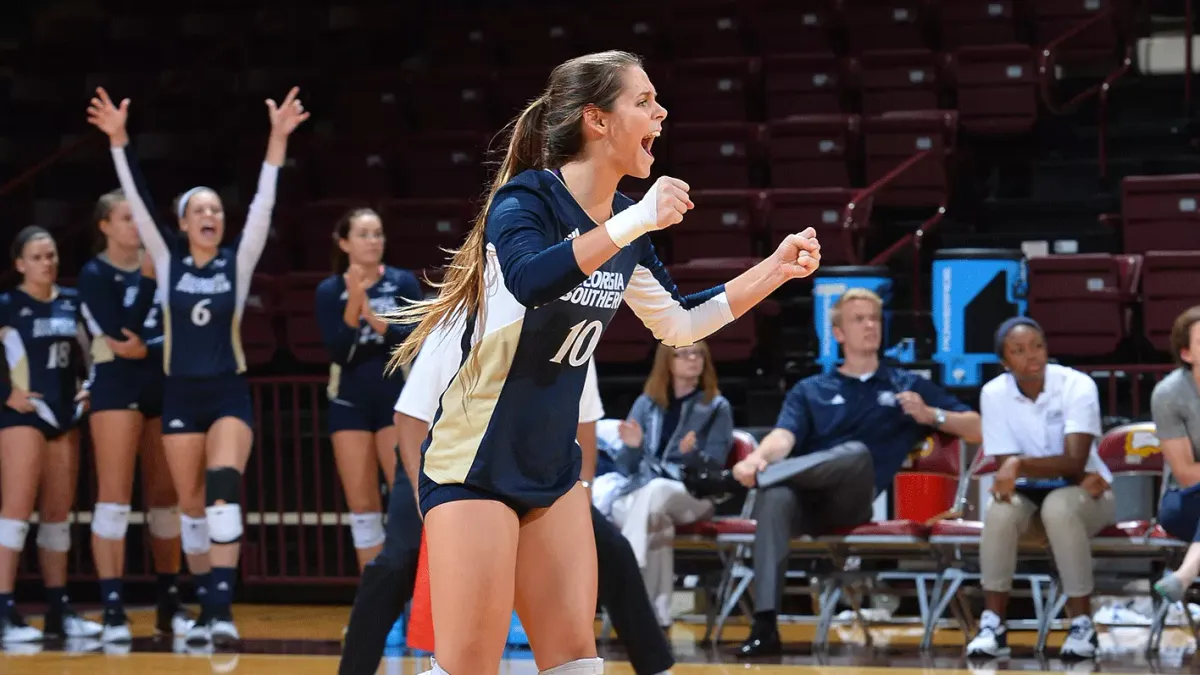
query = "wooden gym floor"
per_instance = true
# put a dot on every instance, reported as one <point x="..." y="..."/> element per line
<point x="304" y="640"/>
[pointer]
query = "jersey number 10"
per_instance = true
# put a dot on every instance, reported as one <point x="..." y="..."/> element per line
<point x="580" y="343"/>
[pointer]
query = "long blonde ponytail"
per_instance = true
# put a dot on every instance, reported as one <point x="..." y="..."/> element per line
<point x="461" y="291"/>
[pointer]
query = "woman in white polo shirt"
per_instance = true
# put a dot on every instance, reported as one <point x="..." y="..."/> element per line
<point x="1043" y="421"/>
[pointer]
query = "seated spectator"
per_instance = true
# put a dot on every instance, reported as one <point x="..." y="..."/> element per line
<point x="681" y="420"/>
<point x="847" y="433"/>
<point x="1043" y="421"/>
<point x="1176" y="407"/>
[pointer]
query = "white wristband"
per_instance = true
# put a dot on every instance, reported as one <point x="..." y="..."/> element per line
<point x="625" y="227"/>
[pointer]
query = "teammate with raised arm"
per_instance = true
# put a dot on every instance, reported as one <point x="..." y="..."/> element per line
<point x="207" y="414"/>
<point x="125" y="329"/>
<point x="505" y="513"/>
<point x="45" y="347"/>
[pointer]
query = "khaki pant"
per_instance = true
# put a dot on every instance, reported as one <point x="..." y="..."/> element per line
<point x="647" y="517"/>
<point x="1069" y="519"/>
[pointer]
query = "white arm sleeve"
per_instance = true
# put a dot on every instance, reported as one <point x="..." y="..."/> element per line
<point x="672" y="323"/>
<point x="152" y="239"/>
<point x="258" y="219"/>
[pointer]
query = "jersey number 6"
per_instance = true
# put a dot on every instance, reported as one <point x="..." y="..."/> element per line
<point x="200" y="312"/>
<point x="580" y="342"/>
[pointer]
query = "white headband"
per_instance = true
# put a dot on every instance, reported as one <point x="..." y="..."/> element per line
<point x="187" y="197"/>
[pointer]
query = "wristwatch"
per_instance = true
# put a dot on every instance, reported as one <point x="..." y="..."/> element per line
<point x="939" y="418"/>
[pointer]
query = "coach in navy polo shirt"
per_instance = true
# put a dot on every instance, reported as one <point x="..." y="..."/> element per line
<point x="853" y="429"/>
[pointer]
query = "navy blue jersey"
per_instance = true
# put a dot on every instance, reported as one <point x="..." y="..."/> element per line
<point x="508" y="426"/>
<point x="113" y="300"/>
<point x="42" y="343"/>
<point x="202" y="305"/>
<point x="831" y="408"/>
<point x="360" y="354"/>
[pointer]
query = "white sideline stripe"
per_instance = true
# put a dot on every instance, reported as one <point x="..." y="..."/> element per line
<point x="270" y="518"/>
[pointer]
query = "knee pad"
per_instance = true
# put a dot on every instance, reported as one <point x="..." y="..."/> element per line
<point x="223" y="484"/>
<point x="54" y="537"/>
<point x="194" y="536"/>
<point x="366" y="529"/>
<point x="593" y="666"/>
<point x="13" y="533"/>
<point x="163" y="522"/>
<point x="110" y="521"/>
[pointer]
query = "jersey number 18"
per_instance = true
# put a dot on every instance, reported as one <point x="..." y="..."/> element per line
<point x="580" y="343"/>
<point x="59" y="356"/>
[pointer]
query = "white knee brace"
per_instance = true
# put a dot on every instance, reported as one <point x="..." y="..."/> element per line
<point x="195" y="535"/>
<point x="110" y="521"/>
<point x="593" y="666"/>
<point x="366" y="529"/>
<point x="163" y="522"/>
<point x="54" y="537"/>
<point x="224" y="523"/>
<point x="13" y="533"/>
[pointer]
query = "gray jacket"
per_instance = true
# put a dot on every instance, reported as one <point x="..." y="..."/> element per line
<point x="712" y="422"/>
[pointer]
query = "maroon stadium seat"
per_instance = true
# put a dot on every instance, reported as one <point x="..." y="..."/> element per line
<point x="900" y="80"/>
<point x="977" y="22"/>
<point x="1084" y="301"/>
<point x="442" y="165"/>
<point x="884" y="24"/>
<point x="706" y="28"/>
<point x="997" y="89"/>
<point x="792" y="210"/>
<point x="813" y="151"/>
<point x="802" y="85"/>
<point x="723" y="224"/>
<point x="796" y="27"/>
<point x="457" y="100"/>
<point x="1170" y="284"/>
<point x="1053" y="18"/>
<point x="715" y="156"/>
<point x="419" y="228"/>
<point x="1160" y="213"/>
<point x="713" y="90"/>
<point x="893" y="138"/>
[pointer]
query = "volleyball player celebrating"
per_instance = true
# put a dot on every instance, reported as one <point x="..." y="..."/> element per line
<point x="361" y="394"/>
<point x="41" y="333"/>
<point x="126" y="408"/>
<point x="207" y="414"/>
<point x="506" y="516"/>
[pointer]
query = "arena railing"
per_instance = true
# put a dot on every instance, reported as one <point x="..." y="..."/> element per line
<point x="1047" y="75"/>
<point x="296" y="520"/>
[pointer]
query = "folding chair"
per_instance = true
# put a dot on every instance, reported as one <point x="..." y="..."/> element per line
<point x="1128" y="450"/>
<point x="899" y="540"/>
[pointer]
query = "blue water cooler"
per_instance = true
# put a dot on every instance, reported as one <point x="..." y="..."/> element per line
<point x="974" y="291"/>
<point x="828" y="285"/>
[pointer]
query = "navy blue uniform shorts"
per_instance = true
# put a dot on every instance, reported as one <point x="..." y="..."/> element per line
<point x="11" y="418"/>
<point x="128" y="387"/>
<point x="192" y="405"/>
<point x="367" y="413"/>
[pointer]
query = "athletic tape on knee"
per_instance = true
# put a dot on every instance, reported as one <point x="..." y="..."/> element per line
<point x="194" y="536"/>
<point x="224" y="523"/>
<point x="54" y="537"/>
<point x="163" y="522"/>
<point x="594" y="666"/>
<point x="13" y="533"/>
<point x="367" y="529"/>
<point x="110" y="521"/>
